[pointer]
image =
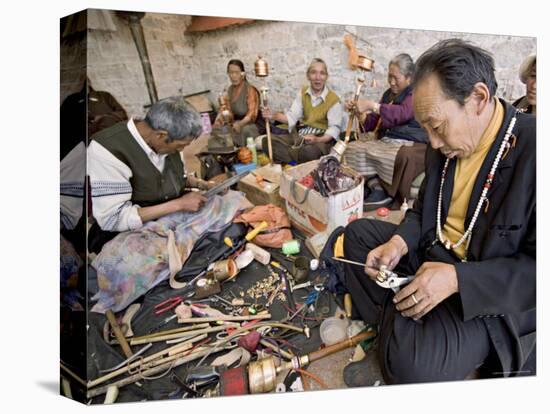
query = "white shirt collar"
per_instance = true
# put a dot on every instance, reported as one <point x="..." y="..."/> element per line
<point x="156" y="159"/>
<point x="323" y="95"/>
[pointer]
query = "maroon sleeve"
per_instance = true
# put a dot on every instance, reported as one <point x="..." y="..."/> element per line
<point x="393" y="115"/>
<point x="370" y="122"/>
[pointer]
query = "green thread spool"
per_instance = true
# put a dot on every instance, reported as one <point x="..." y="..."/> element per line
<point x="291" y="247"/>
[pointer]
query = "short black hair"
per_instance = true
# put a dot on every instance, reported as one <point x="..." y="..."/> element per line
<point x="459" y="65"/>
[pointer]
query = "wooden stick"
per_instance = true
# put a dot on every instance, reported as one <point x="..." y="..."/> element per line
<point x="187" y="344"/>
<point x="175" y="330"/>
<point x="349" y="127"/>
<point x="226" y="318"/>
<point x="171" y="362"/>
<point x="348" y="343"/>
<point x="269" y="147"/>
<point x="360" y="82"/>
<point x="167" y="351"/>
<point x="73" y="375"/>
<point x="181" y="334"/>
<point x="118" y="333"/>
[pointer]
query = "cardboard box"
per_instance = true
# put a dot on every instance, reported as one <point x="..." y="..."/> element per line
<point x="268" y="193"/>
<point x="314" y="213"/>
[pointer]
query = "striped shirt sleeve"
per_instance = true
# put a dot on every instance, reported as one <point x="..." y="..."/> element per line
<point x="111" y="191"/>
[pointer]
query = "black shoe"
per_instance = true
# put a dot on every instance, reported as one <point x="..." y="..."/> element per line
<point x="372" y="183"/>
<point x="356" y="374"/>
<point x="363" y="373"/>
<point x="366" y="193"/>
<point x="376" y="199"/>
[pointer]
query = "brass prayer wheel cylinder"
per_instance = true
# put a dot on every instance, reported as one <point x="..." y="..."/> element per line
<point x="365" y="63"/>
<point x="262" y="375"/>
<point x="261" y="68"/>
<point x="224" y="269"/>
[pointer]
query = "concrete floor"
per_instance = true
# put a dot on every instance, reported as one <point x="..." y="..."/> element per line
<point x="331" y="370"/>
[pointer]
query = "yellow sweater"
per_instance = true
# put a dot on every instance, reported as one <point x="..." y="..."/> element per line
<point x="466" y="173"/>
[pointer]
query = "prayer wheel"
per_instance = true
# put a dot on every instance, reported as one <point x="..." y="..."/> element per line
<point x="365" y="63"/>
<point x="261" y="68"/>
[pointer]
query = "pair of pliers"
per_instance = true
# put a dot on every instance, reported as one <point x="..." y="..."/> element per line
<point x="393" y="281"/>
<point x="168" y="304"/>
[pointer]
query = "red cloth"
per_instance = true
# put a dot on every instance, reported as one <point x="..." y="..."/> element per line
<point x="278" y="225"/>
<point x="250" y="341"/>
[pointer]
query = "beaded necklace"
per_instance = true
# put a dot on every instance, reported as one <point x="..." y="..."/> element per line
<point x="488" y="182"/>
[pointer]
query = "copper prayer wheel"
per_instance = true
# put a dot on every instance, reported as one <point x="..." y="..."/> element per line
<point x="261" y="68"/>
<point x="365" y="63"/>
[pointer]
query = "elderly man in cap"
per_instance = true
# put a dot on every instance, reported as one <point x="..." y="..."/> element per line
<point x="469" y="241"/>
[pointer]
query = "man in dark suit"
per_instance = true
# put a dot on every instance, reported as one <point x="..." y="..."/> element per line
<point x="470" y="239"/>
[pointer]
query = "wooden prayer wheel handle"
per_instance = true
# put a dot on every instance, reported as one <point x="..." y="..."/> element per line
<point x="269" y="144"/>
<point x="360" y="82"/>
<point x="348" y="343"/>
<point x="118" y="333"/>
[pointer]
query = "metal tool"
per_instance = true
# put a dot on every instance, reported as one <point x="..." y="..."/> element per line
<point x="214" y="299"/>
<point x="392" y="280"/>
<point x="320" y="310"/>
<point x="162" y="324"/>
<point x="226" y="184"/>
<point x="168" y="304"/>
<point x="301" y="285"/>
<point x="228" y="304"/>
<point x="286" y="289"/>
<point x="341" y="259"/>
<point x="385" y="278"/>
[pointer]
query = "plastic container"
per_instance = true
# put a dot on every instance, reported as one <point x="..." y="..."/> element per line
<point x="251" y="145"/>
<point x="333" y="330"/>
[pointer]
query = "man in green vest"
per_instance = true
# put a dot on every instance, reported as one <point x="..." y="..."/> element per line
<point x="136" y="171"/>
<point x="317" y="115"/>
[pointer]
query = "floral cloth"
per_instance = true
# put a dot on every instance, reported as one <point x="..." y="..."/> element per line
<point x="135" y="261"/>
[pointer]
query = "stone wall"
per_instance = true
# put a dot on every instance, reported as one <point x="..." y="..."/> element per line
<point x="195" y="62"/>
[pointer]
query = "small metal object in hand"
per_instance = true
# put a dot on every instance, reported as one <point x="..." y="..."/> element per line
<point x="391" y="280"/>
